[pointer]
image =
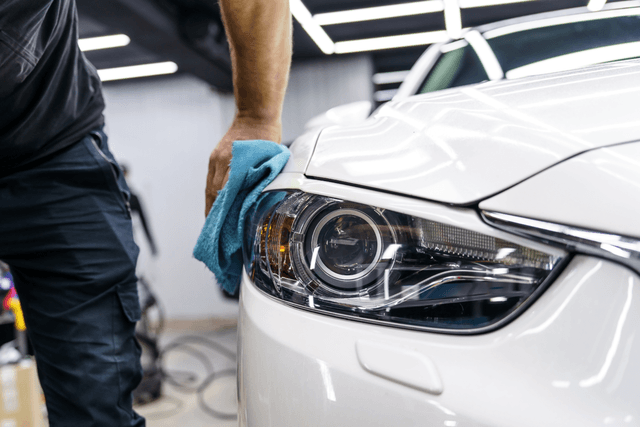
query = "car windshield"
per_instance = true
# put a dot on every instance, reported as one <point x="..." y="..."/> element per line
<point x="566" y="46"/>
<point x="539" y="51"/>
<point x="457" y="67"/>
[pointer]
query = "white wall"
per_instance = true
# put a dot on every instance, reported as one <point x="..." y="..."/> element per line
<point x="165" y="129"/>
<point x="318" y="85"/>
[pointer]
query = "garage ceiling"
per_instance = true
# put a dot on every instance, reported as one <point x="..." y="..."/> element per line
<point x="189" y="32"/>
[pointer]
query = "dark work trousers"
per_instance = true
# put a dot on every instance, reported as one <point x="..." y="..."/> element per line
<point x="65" y="231"/>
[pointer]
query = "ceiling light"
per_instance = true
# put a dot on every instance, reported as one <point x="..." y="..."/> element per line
<point x="317" y="34"/>
<point x="595" y="5"/>
<point x="452" y="18"/>
<point x="378" y="43"/>
<point x="390" y="77"/>
<point x="398" y="10"/>
<point x="467" y="4"/>
<point x="575" y="60"/>
<point x="103" y="42"/>
<point x="379" y="12"/>
<point x="135" y="71"/>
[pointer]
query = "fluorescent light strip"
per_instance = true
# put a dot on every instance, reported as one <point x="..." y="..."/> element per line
<point x="452" y="18"/>
<point x="135" y="71"/>
<point x="578" y="60"/>
<point x="398" y="10"/>
<point x="103" y="42"/>
<point x="467" y="4"/>
<point x="459" y="44"/>
<point x="384" y="95"/>
<point x="315" y="31"/>
<point x="390" y="77"/>
<point x="596" y="5"/>
<point x="379" y="12"/>
<point x="559" y="21"/>
<point x="390" y="42"/>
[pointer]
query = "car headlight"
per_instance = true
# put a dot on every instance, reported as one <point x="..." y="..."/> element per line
<point x="352" y="260"/>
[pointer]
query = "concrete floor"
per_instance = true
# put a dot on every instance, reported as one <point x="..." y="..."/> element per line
<point x="180" y="407"/>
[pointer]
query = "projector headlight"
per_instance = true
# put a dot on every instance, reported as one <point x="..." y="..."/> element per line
<point x="358" y="261"/>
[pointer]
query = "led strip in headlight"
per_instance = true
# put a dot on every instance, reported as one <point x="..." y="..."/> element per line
<point x="358" y="261"/>
<point x="622" y="249"/>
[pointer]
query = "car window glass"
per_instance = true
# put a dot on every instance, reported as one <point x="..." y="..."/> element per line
<point x="457" y="67"/>
<point x="526" y="47"/>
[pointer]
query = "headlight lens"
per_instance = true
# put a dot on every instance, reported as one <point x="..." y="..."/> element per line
<point x="348" y="259"/>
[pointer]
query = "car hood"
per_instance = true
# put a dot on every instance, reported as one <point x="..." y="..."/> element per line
<point x="460" y="146"/>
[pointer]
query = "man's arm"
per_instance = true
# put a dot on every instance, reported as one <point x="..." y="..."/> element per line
<point x="259" y="33"/>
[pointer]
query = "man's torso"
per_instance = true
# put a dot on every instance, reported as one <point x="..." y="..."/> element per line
<point x="50" y="96"/>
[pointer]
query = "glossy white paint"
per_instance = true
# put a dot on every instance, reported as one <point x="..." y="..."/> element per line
<point x="459" y="217"/>
<point x="596" y="190"/>
<point x="401" y="365"/>
<point x="570" y="360"/>
<point x="301" y="151"/>
<point x="462" y="145"/>
<point x="354" y="112"/>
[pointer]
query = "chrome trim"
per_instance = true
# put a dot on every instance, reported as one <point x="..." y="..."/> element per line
<point x="622" y="249"/>
<point x="439" y="330"/>
<point x="433" y="282"/>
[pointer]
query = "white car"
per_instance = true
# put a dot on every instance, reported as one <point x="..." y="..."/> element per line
<point x="469" y="257"/>
<point x="530" y="45"/>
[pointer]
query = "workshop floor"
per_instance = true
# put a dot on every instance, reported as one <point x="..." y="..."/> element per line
<point x="193" y="360"/>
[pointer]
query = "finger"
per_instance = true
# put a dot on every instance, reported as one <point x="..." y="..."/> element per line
<point x="215" y="184"/>
<point x="226" y="177"/>
<point x="219" y="179"/>
<point x="210" y="192"/>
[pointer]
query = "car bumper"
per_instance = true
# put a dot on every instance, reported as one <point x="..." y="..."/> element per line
<point x="570" y="359"/>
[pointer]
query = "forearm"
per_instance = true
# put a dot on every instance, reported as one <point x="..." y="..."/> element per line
<point x="259" y="33"/>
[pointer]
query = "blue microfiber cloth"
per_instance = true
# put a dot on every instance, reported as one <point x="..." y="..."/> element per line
<point x="254" y="164"/>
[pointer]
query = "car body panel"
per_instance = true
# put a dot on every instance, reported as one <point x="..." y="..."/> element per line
<point x="462" y="145"/>
<point x="567" y="360"/>
<point x="559" y="148"/>
<point x="301" y="151"/>
<point x="591" y="191"/>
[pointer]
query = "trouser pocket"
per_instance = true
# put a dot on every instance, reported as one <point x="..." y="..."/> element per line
<point x="113" y="174"/>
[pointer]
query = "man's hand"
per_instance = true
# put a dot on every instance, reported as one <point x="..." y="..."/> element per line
<point x="242" y="129"/>
<point x="259" y="33"/>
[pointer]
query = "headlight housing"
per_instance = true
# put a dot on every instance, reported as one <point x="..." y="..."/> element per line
<point x="358" y="261"/>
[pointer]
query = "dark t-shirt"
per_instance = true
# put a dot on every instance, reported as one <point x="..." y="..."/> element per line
<point x="50" y="95"/>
